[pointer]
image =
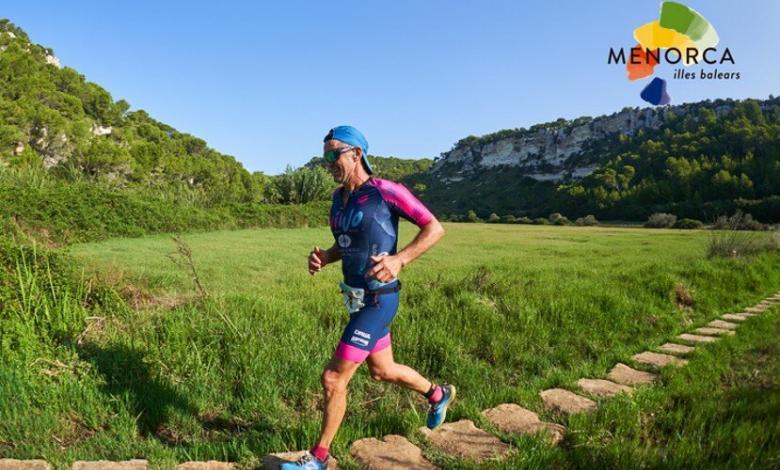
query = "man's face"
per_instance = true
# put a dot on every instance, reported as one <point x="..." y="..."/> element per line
<point x="345" y="164"/>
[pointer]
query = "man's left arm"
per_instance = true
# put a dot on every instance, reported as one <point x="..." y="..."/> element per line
<point x="387" y="267"/>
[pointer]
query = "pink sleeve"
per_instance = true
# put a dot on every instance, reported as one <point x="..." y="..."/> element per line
<point x="404" y="203"/>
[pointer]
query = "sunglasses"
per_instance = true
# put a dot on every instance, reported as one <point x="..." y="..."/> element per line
<point x="332" y="155"/>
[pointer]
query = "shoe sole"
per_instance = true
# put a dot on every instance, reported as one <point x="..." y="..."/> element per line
<point x="453" y="394"/>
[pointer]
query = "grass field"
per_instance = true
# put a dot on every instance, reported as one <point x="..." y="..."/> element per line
<point x="503" y="311"/>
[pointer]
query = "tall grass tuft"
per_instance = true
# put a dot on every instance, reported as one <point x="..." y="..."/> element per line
<point x="737" y="237"/>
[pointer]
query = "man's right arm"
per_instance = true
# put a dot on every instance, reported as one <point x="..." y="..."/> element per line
<point x="334" y="254"/>
<point x="319" y="258"/>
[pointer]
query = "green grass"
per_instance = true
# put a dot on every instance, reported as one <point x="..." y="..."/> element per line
<point x="503" y="311"/>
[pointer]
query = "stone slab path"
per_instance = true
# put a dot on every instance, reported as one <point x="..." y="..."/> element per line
<point x="674" y="348"/>
<point x="564" y="401"/>
<point x="625" y="375"/>
<point x="724" y="325"/>
<point x="391" y="452"/>
<point x="14" y="464"/>
<point x="209" y="465"/>
<point x="603" y="388"/>
<point x="462" y="439"/>
<point x="737" y="316"/>
<point x="135" y="464"/>
<point x="697" y="338"/>
<point x="706" y="330"/>
<point x="514" y="419"/>
<point x="658" y="360"/>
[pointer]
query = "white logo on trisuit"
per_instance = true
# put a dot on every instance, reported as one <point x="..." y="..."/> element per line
<point x="357" y="340"/>
<point x="344" y="240"/>
<point x="362" y="333"/>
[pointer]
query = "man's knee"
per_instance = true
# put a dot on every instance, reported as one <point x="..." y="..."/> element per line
<point x="382" y="373"/>
<point x="333" y="381"/>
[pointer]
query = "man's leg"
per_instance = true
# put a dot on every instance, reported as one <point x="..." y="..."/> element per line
<point x="383" y="367"/>
<point x="335" y="379"/>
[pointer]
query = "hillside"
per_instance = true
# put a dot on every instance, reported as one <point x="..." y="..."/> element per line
<point x="696" y="160"/>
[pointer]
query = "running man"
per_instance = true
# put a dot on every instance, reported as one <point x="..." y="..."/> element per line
<point x="364" y="222"/>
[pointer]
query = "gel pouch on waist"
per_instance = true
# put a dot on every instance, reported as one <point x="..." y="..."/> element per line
<point x="353" y="297"/>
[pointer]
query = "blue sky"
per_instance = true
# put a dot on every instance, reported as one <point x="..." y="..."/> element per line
<point x="265" y="81"/>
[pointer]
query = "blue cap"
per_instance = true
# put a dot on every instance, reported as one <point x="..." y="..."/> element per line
<point x="350" y="135"/>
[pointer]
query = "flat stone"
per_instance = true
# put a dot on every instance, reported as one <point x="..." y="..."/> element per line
<point x="658" y="360"/>
<point x="208" y="465"/>
<point x="756" y="309"/>
<point x="13" y="464"/>
<point x="564" y="401"/>
<point x="625" y="375"/>
<point x="463" y="439"/>
<point x="674" y="348"/>
<point x="135" y="464"/>
<point x="724" y="325"/>
<point x="697" y="338"/>
<point x="705" y="330"/>
<point x="274" y="461"/>
<point x="603" y="388"/>
<point x="736" y="316"/>
<point x="514" y="419"/>
<point x="391" y="452"/>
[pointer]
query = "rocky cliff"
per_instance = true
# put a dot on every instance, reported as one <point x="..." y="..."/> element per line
<point x="557" y="150"/>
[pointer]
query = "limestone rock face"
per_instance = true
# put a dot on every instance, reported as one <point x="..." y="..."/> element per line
<point x="553" y="151"/>
<point x="53" y="60"/>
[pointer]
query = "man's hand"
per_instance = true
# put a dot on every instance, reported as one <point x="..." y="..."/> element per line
<point x="317" y="259"/>
<point x="386" y="267"/>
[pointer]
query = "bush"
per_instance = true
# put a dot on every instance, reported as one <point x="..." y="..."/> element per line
<point x="555" y="217"/>
<point x="508" y="219"/>
<point x="587" y="221"/>
<point x="738" y="221"/>
<point x="471" y="216"/>
<point x="661" y="220"/>
<point x="688" y="224"/>
<point x="524" y="220"/>
<point x="494" y="218"/>
<point x="541" y="221"/>
<point x="735" y="243"/>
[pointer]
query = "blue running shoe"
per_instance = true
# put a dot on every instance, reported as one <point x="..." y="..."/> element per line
<point x="306" y="462"/>
<point x="438" y="411"/>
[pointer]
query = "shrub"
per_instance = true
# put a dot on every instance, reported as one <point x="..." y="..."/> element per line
<point x="541" y="221"/>
<point x="738" y="221"/>
<point x="688" y="224"/>
<point x="493" y="218"/>
<point x="471" y="216"/>
<point x="735" y="243"/>
<point x="562" y="221"/>
<point x="508" y="219"/>
<point x="554" y="217"/>
<point x="524" y="220"/>
<point x="587" y="221"/>
<point x="661" y="220"/>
